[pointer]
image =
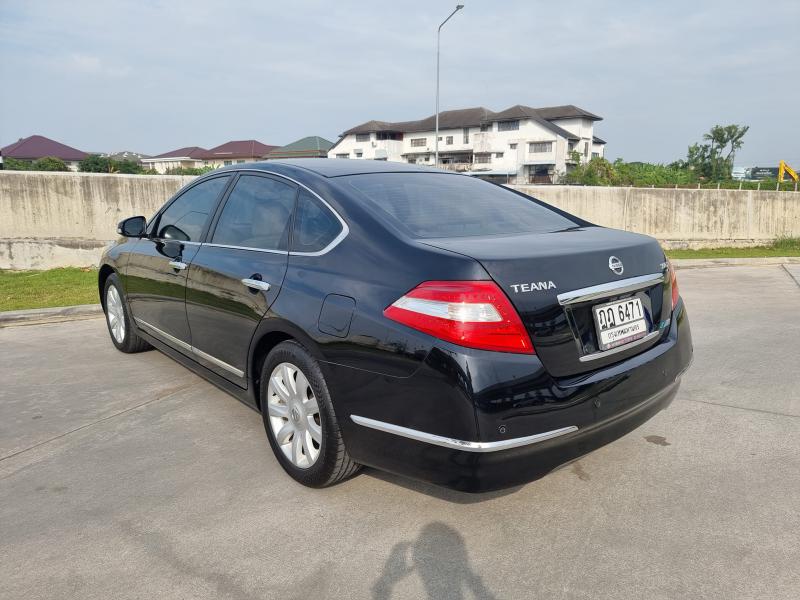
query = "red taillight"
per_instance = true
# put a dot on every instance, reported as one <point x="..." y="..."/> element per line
<point x="673" y="284"/>
<point x="476" y="314"/>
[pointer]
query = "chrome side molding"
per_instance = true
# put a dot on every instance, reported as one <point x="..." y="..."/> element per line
<point x="446" y="442"/>
<point x="611" y="288"/>
<point x="181" y="344"/>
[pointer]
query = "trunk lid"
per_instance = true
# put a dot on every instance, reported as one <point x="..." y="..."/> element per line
<point x="545" y="275"/>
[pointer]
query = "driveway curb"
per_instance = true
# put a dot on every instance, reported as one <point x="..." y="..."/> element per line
<point x="704" y="263"/>
<point x="50" y="315"/>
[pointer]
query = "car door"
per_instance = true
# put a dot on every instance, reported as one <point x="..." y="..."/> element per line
<point x="237" y="273"/>
<point x="155" y="275"/>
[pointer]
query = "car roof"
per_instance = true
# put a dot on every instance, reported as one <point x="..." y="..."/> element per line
<point x="333" y="167"/>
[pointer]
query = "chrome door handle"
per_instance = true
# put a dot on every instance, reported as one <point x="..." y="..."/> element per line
<point x="176" y="264"/>
<point x="256" y="284"/>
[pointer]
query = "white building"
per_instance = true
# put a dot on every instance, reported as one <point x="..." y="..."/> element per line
<point x="520" y="144"/>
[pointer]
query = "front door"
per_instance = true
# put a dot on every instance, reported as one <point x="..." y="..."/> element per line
<point x="236" y="276"/>
<point x="156" y="272"/>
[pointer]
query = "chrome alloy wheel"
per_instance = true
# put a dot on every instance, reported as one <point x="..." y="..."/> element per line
<point x="115" y="314"/>
<point x="294" y="415"/>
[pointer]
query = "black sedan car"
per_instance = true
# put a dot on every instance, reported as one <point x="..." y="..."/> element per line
<point x="413" y="320"/>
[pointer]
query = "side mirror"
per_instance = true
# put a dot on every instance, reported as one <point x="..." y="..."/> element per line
<point x="133" y="227"/>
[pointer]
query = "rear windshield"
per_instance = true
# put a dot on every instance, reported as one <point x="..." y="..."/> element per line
<point x="430" y="205"/>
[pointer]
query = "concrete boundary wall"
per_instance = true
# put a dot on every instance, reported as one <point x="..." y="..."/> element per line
<point x="682" y="218"/>
<point x="66" y="219"/>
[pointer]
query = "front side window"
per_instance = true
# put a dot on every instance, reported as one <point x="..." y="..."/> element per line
<point x="256" y="214"/>
<point x="315" y="225"/>
<point x="186" y="217"/>
<point x="432" y="205"/>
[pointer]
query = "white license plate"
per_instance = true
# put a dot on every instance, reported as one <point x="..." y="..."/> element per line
<point x="619" y="322"/>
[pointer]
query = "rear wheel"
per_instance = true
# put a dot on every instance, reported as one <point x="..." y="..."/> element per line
<point x="118" y="319"/>
<point x="299" y="418"/>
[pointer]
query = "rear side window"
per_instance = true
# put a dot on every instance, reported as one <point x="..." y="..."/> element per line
<point x="430" y="205"/>
<point x="315" y="225"/>
<point x="186" y="217"/>
<point x="256" y="214"/>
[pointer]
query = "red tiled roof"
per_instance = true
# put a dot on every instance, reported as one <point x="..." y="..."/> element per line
<point x="194" y="152"/>
<point x="239" y="149"/>
<point x="38" y="146"/>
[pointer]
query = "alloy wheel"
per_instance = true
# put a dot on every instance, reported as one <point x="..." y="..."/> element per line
<point x="294" y="415"/>
<point x="115" y="313"/>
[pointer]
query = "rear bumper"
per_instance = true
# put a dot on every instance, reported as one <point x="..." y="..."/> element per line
<point x="477" y="421"/>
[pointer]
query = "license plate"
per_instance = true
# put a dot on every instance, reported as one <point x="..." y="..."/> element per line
<point x="619" y="322"/>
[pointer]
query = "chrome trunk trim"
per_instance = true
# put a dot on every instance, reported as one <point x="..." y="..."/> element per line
<point x="611" y="288"/>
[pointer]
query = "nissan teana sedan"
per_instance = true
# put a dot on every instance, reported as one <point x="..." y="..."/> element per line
<point x="413" y="320"/>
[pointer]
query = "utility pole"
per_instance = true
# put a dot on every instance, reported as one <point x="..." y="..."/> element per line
<point x="438" y="37"/>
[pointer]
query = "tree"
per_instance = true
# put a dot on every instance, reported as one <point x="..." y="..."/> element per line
<point x="94" y="163"/>
<point x="50" y="163"/>
<point x="723" y="138"/>
<point x="14" y="164"/>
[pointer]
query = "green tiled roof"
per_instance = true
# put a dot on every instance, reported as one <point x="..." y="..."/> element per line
<point x="310" y="146"/>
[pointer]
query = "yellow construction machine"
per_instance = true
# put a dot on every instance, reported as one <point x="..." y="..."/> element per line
<point x="784" y="168"/>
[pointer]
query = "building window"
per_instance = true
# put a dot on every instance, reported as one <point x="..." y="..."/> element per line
<point x="238" y="162"/>
<point x="586" y="148"/>
<point x="483" y="159"/>
<point x="498" y="155"/>
<point x="595" y="155"/>
<point x="342" y="156"/>
<point x="537" y="147"/>
<point x="507" y="125"/>
<point x="359" y="154"/>
<point x="227" y="163"/>
<point x="449" y="140"/>
<point x="417" y="142"/>
<point x="512" y="146"/>
<point x="486" y="126"/>
<point x="388" y="135"/>
<point x="412" y="160"/>
<point x="362" y="137"/>
<point x="466" y="135"/>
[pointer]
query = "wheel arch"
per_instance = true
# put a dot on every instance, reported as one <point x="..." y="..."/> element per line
<point x="269" y="334"/>
<point x="105" y="272"/>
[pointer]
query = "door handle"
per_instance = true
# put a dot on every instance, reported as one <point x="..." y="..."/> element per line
<point x="176" y="264"/>
<point x="256" y="284"/>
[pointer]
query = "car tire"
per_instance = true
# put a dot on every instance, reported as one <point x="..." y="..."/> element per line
<point x="299" y="418"/>
<point x="118" y="319"/>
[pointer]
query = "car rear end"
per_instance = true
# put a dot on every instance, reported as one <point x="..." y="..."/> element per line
<point x="577" y="336"/>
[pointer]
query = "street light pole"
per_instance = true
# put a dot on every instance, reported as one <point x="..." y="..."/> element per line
<point x="438" y="37"/>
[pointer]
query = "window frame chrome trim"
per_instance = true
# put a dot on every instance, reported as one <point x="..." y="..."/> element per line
<point x="333" y="243"/>
<point x="454" y="444"/>
<point x="611" y="288"/>
<point x="186" y="346"/>
<point x="250" y="248"/>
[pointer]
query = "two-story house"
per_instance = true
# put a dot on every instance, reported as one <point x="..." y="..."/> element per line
<point x="519" y="144"/>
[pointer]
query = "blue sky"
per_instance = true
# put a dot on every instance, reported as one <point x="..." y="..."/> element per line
<point x="151" y="76"/>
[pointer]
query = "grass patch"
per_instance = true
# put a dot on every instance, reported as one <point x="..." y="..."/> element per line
<point x="781" y="247"/>
<point x="44" y="289"/>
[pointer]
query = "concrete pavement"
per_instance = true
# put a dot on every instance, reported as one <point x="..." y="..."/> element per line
<point x="129" y="477"/>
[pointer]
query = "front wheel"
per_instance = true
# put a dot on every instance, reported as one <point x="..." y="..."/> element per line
<point x="299" y="418"/>
<point x="118" y="319"/>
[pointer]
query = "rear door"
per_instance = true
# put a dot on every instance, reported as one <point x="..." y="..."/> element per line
<point x="237" y="274"/>
<point x="155" y="276"/>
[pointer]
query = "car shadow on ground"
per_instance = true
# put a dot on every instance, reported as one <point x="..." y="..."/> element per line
<point x="435" y="491"/>
<point x="439" y="558"/>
